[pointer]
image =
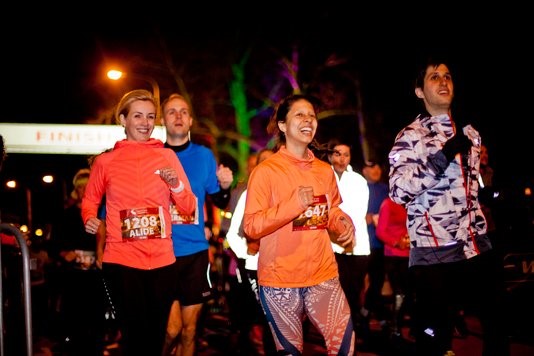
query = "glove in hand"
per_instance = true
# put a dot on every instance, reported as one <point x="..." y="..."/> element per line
<point x="457" y="144"/>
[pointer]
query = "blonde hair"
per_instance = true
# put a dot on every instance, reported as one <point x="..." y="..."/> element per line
<point x="177" y="96"/>
<point x="80" y="178"/>
<point x="123" y="107"/>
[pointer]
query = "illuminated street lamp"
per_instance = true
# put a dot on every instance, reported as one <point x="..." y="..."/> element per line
<point x="115" y="74"/>
<point x="13" y="184"/>
<point x="48" y="179"/>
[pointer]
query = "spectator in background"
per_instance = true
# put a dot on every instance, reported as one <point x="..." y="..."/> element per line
<point x="253" y="321"/>
<point x="378" y="191"/>
<point x="239" y="187"/>
<point x="291" y="214"/>
<point x="393" y="232"/>
<point x="434" y="171"/>
<point x="352" y="262"/>
<point x="189" y="236"/>
<point x="82" y="301"/>
<point x="11" y="287"/>
<point x="486" y="172"/>
<point x="139" y="179"/>
<point x="240" y="301"/>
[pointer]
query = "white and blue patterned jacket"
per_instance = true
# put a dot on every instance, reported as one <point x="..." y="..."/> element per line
<point x="445" y="222"/>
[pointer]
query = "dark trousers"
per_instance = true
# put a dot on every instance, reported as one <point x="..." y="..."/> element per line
<point x="142" y="299"/>
<point x="83" y="311"/>
<point x="352" y="271"/>
<point x="374" y="302"/>
<point x="399" y="276"/>
<point x="248" y="312"/>
<point x="474" y="285"/>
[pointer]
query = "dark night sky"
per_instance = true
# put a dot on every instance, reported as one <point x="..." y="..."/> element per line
<point x="53" y="60"/>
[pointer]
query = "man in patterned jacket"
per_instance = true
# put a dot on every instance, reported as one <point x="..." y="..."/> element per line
<point x="434" y="168"/>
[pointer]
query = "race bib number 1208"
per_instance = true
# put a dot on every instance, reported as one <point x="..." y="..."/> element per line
<point x="142" y="224"/>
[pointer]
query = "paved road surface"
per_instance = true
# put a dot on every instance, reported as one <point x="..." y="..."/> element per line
<point x="217" y="340"/>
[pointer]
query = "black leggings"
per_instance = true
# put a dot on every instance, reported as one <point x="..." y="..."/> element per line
<point x="142" y="299"/>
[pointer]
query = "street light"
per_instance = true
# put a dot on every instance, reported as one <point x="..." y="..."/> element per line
<point x="18" y="187"/>
<point x="13" y="184"/>
<point x="115" y="74"/>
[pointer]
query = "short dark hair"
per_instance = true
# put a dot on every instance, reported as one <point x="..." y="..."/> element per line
<point x="260" y="154"/>
<point x="430" y="61"/>
<point x="370" y="163"/>
<point x="332" y="143"/>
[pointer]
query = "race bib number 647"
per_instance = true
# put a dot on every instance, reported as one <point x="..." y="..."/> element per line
<point x="314" y="217"/>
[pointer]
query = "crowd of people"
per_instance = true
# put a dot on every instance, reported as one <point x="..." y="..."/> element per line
<point x="314" y="239"/>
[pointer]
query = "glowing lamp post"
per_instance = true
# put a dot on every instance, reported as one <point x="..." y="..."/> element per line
<point x="13" y="184"/>
<point x="115" y="74"/>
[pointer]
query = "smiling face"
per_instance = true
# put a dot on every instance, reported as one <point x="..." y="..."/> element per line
<point x="140" y="120"/>
<point x="438" y="90"/>
<point x="300" y="125"/>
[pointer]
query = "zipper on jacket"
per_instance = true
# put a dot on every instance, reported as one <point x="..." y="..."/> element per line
<point x="465" y="178"/>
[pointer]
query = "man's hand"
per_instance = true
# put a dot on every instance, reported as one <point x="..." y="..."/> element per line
<point x="457" y="144"/>
<point x="225" y="176"/>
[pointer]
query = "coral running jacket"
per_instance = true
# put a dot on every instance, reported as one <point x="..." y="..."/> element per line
<point x="138" y="222"/>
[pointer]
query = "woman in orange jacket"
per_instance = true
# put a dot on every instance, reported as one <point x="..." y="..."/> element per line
<point x="292" y="207"/>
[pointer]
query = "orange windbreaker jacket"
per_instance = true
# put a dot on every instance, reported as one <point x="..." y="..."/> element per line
<point x="289" y="254"/>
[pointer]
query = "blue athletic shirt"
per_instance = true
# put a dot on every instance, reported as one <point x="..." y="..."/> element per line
<point x="200" y="167"/>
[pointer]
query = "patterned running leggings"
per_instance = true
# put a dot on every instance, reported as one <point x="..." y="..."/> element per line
<point x="326" y="307"/>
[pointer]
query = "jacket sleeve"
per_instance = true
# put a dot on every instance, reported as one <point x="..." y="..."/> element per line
<point x="335" y="213"/>
<point x="94" y="191"/>
<point x="385" y="230"/>
<point x="412" y="165"/>
<point x="238" y="243"/>
<point x="361" y="199"/>
<point x="184" y="199"/>
<point x="261" y="216"/>
<point x="219" y="196"/>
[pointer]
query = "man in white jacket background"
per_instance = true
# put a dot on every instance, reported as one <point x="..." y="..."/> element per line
<point x="352" y="262"/>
